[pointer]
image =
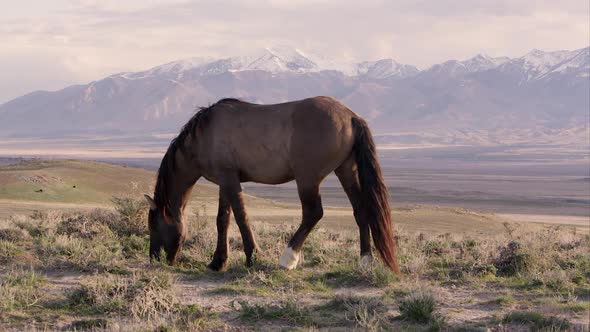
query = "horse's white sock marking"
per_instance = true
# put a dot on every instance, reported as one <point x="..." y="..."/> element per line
<point x="366" y="261"/>
<point x="289" y="259"/>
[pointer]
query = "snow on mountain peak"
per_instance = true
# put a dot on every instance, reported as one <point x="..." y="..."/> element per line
<point x="579" y="62"/>
<point x="384" y="68"/>
<point x="539" y="63"/>
<point x="537" y="58"/>
<point x="283" y="59"/>
<point x="483" y="62"/>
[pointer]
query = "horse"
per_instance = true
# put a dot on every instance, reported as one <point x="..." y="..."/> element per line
<point x="233" y="141"/>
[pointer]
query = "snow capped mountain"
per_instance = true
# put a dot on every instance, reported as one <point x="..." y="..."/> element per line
<point x="281" y="59"/>
<point x="534" y="65"/>
<point x="276" y="59"/>
<point x="538" y="64"/>
<point x="385" y="68"/>
<point x="483" y="62"/>
<point x="578" y="61"/>
<point x="478" y="63"/>
<point x="538" y="94"/>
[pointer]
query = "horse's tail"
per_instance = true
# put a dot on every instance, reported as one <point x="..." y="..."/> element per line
<point x="374" y="196"/>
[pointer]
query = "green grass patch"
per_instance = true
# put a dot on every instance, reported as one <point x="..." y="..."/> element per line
<point x="90" y="324"/>
<point x="538" y="321"/>
<point x="502" y="300"/>
<point x="349" y="275"/>
<point x="9" y="251"/>
<point x="237" y="289"/>
<point x="287" y="311"/>
<point x="20" y="289"/>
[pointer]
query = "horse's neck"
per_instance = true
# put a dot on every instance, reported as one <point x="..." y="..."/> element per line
<point x="183" y="179"/>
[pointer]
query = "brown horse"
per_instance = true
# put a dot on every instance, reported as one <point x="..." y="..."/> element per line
<point x="233" y="141"/>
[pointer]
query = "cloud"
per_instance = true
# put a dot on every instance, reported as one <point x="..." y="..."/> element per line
<point x="89" y="39"/>
<point x="27" y="69"/>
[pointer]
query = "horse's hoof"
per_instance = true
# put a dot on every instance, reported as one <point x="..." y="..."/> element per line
<point x="249" y="262"/>
<point x="366" y="261"/>
<point x="217" y="266"/>
<point x="289" y="259"/>
<point x="256" y="253"/>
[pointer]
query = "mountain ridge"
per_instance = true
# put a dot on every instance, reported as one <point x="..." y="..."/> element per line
<point x="539" y="94"/>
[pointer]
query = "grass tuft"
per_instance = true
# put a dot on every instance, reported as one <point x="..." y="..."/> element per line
<point x="90" y="324"/>
<point x="287" y="311"/>
<point x="20" y="289"/>
<point x="419" y="307"/>
<point x="503" y="300"/>
<point x="538" y="321"/>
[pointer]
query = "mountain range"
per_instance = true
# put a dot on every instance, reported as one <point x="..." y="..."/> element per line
<point x="538" y="98"/>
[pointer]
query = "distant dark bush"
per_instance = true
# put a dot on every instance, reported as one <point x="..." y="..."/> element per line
<point x="513" y="260"/>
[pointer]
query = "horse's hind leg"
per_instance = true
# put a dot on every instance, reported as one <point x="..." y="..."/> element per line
<point x="221" y="252"/>
<point x="311" y="204"/>
<point x="348" y="176"/>
<point x="232" y="191"/>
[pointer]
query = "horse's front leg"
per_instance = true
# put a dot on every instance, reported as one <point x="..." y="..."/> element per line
<point x="232" y="190"/>
<point x="219" y="261"/>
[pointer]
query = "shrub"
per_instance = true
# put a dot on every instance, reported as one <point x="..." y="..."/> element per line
<point x="39" y="223"/>
<point x="153" y="295"/>
<point x="513" y="260"/>
<point x="419" y="307"/>
<point x="435" y="248"/>
<point x="144" y="297"/>
<point x="103" y="295"/>
<point x="133" y="214"/>
<point x="85" y="226"/>
<point x="134" y="246"/>
<point x="366" y="317"/>
<point x="12" y="234"/>
<point x="64" y="251"/>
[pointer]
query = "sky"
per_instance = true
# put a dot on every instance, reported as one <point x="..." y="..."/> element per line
<point x="47" y="45"/>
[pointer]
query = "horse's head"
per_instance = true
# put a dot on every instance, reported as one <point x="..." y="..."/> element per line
<point x="165" y="232"/>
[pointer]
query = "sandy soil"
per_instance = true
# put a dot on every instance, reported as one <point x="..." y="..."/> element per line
<point x="547" y="219"/>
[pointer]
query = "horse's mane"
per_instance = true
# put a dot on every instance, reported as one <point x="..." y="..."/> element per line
<point x="168" y="164"/>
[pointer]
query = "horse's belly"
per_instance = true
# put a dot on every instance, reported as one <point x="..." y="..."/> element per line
<point x="266" y="170"/>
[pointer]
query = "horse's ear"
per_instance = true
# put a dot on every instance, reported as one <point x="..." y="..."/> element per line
<point x="150" y="202"/>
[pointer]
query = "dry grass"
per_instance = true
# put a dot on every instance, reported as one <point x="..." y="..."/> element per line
<point x="541" y="270"/>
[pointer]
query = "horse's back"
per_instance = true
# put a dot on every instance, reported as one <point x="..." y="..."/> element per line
<point x="277" y="143"/>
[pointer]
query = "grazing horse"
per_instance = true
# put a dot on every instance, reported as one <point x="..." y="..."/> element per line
<point x="233" y="141"/>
